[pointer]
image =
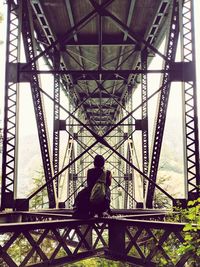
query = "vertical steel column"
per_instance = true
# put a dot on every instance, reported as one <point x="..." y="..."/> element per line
<point x="128" y="181"/>
<point x="130" y="120"/>
<point x="64" y="178"/>
<point x="71" y="183"/>
<point x="10" y="139"/>
<point x="28" y="38"/>
<point x="74" y="175"/>
<point x="56" y="132"/>
<point x="119" y="133"/>
<point x="190" y="117"/>
<point x="132" y="180"/>
<point x="126" y="154"/>
<point x="145" y="133"/>
<point x="80" y="137"/>
<point x="163" y="101"/>
<point x="121" y="162"/>
<point x="116" y="238"/>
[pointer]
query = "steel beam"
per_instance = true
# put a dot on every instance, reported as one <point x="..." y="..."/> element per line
<point x="27" y="33"/>
<point x="190" y="114"/>
<point x="10" y="131"/>
<point x="92" y="41"/>
<point x="100" y="139"/>
<point x="71" y="171"/>
<point x="56" y="130"/>
<point x="145" y="133"/>
<point x="163" y="102"/>
<point x="93" y="74"/>
<point x="69" y="34"/>
<point x="124" y="28"/>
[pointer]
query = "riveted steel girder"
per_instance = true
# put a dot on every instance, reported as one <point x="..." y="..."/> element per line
<point x="56" y="133"/>
<point x="10" y="132"/>
<point x="190" y="116"/>
<point x="163" y="102"/>
<point x="27" y="32"/>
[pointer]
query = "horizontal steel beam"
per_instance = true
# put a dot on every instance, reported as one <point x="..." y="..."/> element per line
<point x="99" y="95"/>
<point x="91" y="74"/>
<point x="100" y="112"/>
<point x="93" y="107"/>
<point x="107" y="40"/>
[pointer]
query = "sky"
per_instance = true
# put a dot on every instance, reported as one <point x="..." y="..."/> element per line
<point x="27" y="120"/>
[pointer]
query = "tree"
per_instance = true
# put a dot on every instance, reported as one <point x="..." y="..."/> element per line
<point x="162" y="201"/>
<point x="191" y="246"/>
<point x="40" y="200"/>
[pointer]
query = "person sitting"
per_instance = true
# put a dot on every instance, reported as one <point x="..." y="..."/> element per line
<point x="92" y="176"/>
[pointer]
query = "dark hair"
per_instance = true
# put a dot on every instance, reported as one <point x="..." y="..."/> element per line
<point x="99" y="161"/>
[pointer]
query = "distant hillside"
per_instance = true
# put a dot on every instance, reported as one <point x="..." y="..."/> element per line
<point x="29" y="163"/>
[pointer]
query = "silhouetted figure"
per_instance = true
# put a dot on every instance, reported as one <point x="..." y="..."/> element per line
<point x="92" y="176"/>
<point x="83" y="208"/>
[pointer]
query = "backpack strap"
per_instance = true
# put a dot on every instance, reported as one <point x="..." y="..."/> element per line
<point x="102" y="178"/>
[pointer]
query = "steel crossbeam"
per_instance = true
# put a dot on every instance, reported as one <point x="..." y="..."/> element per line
<point x="71" y="239"/>
<point x="190" y="116"/>
<point x="100" y="139"/>
<point x="56" y="133"/>
<point x="10" y="132"/>
<point x="27" y="33"/>
<point x="145" y="132"/>
<point x="163" y="102"/>
<point x="135" y="37"/>
<point x="101" y="111"/>
<point x="84" y="21"/>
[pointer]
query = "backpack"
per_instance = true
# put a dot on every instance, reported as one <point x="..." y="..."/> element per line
<point x="98" y="192"/>
<point x="81" y="204"/>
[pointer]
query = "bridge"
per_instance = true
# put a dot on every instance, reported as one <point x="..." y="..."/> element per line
<point x="92" y="60"/>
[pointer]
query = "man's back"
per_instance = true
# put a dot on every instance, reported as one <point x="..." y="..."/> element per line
<point x="93" y="175"/>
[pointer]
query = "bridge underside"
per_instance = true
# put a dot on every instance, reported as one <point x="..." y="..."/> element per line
<point x="92" y="61"/>
<point x="104" y="71"/>
<point x="96" y="57"/>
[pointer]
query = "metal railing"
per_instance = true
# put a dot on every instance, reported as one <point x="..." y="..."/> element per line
<point x="41" y="239"/>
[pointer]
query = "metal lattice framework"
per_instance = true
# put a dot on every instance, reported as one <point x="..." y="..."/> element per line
<point x="163" y="101"/>
<point x="191" y="143"/>
<point x="9" y="166"/>
<point x="27" y="32"/>
<point x="100" y="57"/>
<point x="56" y="133"/>
<point x="145" y="132"/>
<point x="137" y="241"/>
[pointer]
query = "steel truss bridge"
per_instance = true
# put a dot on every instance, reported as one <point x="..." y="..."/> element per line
<point x="99" y="53"/>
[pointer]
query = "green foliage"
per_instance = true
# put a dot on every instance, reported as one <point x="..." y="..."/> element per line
<point x="191" y="244"/>
<point x="161" y="201"/>
<point x="191" y="231"/>
<point x="40" y="200"/>
<point x="98" y="262"/>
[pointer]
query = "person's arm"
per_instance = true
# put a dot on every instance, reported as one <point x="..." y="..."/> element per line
<point x="88" y="179"/>
<point x="108" y="178"/>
